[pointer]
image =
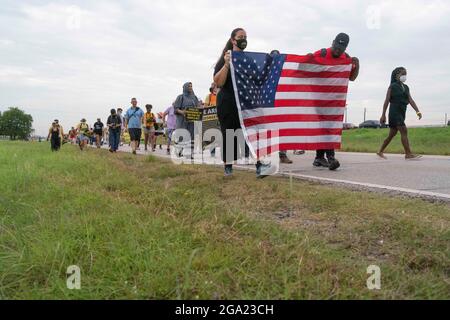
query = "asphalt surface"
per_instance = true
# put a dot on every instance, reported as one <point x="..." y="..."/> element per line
<point x="428" y="177"/>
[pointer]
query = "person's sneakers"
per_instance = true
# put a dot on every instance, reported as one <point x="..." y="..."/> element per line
<point x="168" y="152"/>
<point x="299" y="152"/>
<point x="321" y="162"/>
<point x="111" y="150"/>
<point x="333" y="164"/>
<point x="228" y="171"/>
<point x="413" y="157"/>
<point x="285" y="160"/>
<point x="134" y="152"/>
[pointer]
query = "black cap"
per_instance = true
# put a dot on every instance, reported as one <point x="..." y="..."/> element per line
<point x="113" y="111"/>
<point x="342" y="40"/>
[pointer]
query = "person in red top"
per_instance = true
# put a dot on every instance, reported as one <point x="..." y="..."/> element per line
<point x="336" y="51"/>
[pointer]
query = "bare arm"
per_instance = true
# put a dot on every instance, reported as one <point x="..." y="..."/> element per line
<point x="221" y="77"/>
<point x="414" y="105"/>
<point x="385" y="106"/>
<point x="165" y="114"/>
<point x="355" y="71"/>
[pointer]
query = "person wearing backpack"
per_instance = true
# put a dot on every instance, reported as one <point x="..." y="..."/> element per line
<point x="83" y="134"/>
<point x="336" y="51"/>
<point x="133" y="122"/>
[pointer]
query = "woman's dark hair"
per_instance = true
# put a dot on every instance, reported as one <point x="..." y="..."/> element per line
<point x="228" y="46"/>
<point x="395" y="73"/>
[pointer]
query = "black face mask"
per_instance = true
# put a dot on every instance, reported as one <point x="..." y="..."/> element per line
<point x="241" y="43"/>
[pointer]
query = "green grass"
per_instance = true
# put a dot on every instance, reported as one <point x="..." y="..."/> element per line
<point x="143" y="228"/>
<point x="431" y="141"/>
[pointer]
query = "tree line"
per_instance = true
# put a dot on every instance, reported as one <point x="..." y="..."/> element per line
<point x="15" y="124"/>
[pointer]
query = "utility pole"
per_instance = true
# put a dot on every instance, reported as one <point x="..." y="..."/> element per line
<point x="365" y="112"/>
<point x="446" y="120"/>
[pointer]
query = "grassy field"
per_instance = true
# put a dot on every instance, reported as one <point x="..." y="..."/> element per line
<point x="143" y="228"/>
<point x="431" y="141"/>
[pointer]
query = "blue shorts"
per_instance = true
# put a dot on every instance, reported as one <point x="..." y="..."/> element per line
<point x="82" y="137"/>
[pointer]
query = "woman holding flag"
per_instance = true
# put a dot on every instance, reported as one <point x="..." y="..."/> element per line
<point x="227" y="110"/>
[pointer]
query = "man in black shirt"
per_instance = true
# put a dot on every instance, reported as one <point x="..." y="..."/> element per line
<point x="114" y="124"/>
<point x="98" y="131"/>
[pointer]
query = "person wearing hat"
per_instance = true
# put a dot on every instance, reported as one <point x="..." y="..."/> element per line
<point x="336" y="51"/>
<point x="114" y="124"/>
<point x="98" y="132"/>
<point x="83" y="134"/>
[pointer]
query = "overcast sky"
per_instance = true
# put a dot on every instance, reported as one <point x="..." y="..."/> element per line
<point x="74" y="59"/>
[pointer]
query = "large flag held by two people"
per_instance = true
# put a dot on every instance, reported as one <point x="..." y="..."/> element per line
<point x="290" y="102"/>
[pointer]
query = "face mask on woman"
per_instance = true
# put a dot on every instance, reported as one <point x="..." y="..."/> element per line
<point x="403" y="78"/>
<point x="241" y="43"/>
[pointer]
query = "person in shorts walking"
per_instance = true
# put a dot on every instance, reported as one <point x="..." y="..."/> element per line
<point x="133" y="122"/>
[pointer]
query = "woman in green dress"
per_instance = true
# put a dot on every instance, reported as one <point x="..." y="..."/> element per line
<point x="398" y="97"/>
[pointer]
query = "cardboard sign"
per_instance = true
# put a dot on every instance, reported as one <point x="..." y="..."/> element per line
<point x="193" y="114"/>
<point x="210" y="114"/>
<point x="210" y="119"/>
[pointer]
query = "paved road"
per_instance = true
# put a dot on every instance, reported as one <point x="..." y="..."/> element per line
<point x="429" y="176"/>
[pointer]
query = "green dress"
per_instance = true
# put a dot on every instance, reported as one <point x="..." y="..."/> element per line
<point x="399" y="102"/>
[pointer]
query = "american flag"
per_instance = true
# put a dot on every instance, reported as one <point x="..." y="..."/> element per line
<point x="290" y="102"/>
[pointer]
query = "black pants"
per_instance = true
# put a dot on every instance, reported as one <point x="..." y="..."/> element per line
<point x="320" y="154"/>
<point x="55" y="142"/>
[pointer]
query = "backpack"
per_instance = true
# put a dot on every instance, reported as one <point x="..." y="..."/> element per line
<point x="84" y="127"/>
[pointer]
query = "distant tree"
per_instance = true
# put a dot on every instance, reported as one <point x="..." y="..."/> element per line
<point x="16" y="124"/>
